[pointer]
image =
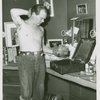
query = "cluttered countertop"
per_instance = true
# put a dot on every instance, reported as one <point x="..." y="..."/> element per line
<point x="81" y="78"/>
<point x="85" y="73"/>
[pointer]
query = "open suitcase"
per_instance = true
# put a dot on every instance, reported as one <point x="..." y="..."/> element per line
<point x="80" y="57"/>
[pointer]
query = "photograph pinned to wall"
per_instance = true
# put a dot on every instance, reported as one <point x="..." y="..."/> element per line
<point x="48" y="4"/>
<point x="81" y="8"/>
<point x="11" y="34"/>
<point x="55" y="42"/>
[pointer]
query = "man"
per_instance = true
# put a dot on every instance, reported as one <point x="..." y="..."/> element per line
<point x="31" y="58"/>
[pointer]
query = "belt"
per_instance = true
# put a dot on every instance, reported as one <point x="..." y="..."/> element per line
<point x="33" y="53"/>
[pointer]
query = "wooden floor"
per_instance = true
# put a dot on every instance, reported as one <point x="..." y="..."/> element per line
<point x="11" y="88"/>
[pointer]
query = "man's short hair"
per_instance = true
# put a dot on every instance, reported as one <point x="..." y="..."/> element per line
<point x="37" y="8"/>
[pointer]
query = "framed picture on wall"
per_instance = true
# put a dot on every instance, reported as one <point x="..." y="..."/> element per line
<point x="11" y="34"/>
<point x="81" y="8"/>
<point x="48" y="4"/>
<point x="55" y="42"/>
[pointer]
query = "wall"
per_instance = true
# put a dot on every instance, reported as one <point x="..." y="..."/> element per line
<point x="8" y="4"/>
<point x="56" y="23"/>
<point x="71" y="9"/>
<point x="59" y="21"/>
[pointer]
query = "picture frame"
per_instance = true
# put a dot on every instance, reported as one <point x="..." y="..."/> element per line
<point x="81" y="9"/>
<point x="54" y="42"/>
<point x="11" y="34"/>
<point x="48" y="4"/>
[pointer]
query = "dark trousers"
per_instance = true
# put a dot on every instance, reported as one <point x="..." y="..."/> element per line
<point x="32" y="76"/>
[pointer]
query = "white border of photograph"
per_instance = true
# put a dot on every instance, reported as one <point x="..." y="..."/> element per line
<point x="8" y="37"/>
<point x="55" y="40"/>
<point x="81" y="9"/>
<point x="48" y="5"/>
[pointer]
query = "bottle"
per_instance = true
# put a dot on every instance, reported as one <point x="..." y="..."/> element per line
<point x="5" y="55"/>
<point x="86" y="68"/>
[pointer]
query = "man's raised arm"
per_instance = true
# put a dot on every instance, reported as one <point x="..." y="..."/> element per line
<point x="16" y="13"/>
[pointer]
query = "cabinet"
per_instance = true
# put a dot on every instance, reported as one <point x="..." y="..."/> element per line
<point x="69" y="90"/>
<point x="11" y="86"/>
<point x="58" y="86"/>
<point x="77" y="92"/>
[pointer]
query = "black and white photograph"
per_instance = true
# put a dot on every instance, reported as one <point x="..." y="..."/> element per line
<point x="81" y="8"/>
<point x="48" y="4"/>
<point x="55" y="42"/>
<point x="42" y="57"/>
<point x="11" y="34"/>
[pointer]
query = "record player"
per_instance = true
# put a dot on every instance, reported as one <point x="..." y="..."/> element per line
<point x="80" y="57"/>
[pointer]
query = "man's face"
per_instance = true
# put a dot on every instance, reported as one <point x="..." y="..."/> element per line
<point x="41" y="17"/>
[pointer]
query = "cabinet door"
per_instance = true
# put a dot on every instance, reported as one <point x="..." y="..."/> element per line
<point x="74" y="92"/>
<point x="87" y="94"/>
<point x="11" y="85"/>
<point x="57" y="86"/>
<point x="78" y="92"/>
